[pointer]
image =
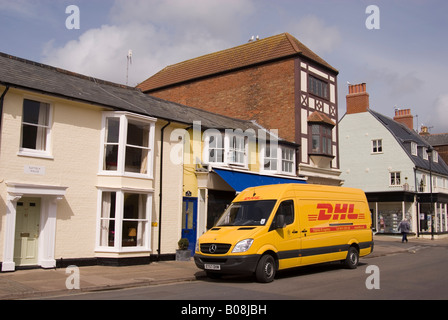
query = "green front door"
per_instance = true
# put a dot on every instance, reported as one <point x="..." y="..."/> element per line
<point x="27" y="231"/>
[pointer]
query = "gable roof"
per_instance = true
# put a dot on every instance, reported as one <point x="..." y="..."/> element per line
<point x="404" y="137"/>
<point x="32" y="76"/>
<point x="437" y="139"/>
<point x="260" y="51"/>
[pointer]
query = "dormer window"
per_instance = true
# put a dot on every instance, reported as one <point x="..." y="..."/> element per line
<point x="435" y="156"/>
<point x="413" y="148"/>
<point x="425" y="154"/>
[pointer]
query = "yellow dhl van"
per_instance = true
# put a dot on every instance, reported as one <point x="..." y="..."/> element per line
<point x="276" y="227"/>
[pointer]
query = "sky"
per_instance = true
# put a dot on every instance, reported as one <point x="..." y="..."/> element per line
<point x="398" y="49"/>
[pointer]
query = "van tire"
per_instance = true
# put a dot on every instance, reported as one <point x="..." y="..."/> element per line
<point x="352" y="260"/>
<point x="266" y="269"/>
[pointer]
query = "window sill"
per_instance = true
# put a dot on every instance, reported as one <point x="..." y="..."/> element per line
<point x="278" y="173"/>
<point x="35" y="154"/>
<point x="321" y="155"/>
<point x="228" y="165"/>
<point x="123" y="250"/>
<point x="126" y="174"/>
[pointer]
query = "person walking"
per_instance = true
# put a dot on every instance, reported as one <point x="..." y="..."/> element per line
<point x="404" y="227"/>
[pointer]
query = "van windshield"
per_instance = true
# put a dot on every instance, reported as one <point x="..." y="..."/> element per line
<point x="247" y="213"/>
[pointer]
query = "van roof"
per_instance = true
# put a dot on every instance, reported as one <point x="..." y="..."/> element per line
<point x="309" y="191"/>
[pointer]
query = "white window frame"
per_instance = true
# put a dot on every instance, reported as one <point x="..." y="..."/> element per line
<point x="414" y="149"/>
<point x="46" y="151"/>
<point x="236" y="145"/>
<point x="291" y="162"/>
<point x="279" y="159"/>
<point x="227" y="148"/>
<point x="119" y="219"/>
<point x="425" y="154"/>
<point x="396" y="181"/>
<point x="218" y="138"/>
<point x="435" y="156"/>
<point x="272" y="158"/>
<point x="377" y="144"/>
<point x="125" y="118"/>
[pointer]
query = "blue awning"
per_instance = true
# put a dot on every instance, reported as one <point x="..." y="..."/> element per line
<point x="242" y="180"/>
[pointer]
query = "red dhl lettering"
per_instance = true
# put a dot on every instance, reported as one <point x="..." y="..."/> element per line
<point x="337" y="212"/>
<point x="338" y="228"/>
<point x="252" y="198"/>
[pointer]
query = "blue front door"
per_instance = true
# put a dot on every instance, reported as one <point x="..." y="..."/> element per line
<point x="189" y="217"/>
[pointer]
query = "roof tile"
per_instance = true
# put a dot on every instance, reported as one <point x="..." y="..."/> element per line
<point x="259" y="51"/>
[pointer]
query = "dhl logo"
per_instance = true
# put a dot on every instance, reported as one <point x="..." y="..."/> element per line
<point x="338" y="212"/>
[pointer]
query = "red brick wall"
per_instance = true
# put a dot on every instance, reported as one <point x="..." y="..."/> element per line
<point x="263" y="93"/>
<point x="443" y="152"/>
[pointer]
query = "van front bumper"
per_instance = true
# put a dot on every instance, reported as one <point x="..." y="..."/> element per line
<point x="227" y="264"/>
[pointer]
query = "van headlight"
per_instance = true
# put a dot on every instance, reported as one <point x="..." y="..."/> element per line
<point x="197" y="249"/>
<point x="243" y="246"/>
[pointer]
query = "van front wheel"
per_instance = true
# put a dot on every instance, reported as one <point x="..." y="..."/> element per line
<point x="266" y="269"/>
<point x="351" y="262"/>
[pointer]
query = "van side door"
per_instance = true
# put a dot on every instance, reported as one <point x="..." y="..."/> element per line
<point x="286" y="234"/>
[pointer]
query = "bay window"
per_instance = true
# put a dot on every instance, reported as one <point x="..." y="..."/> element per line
<point x="127" y="144"/>
<point x="270" y="160"/>
<point x="225" y="149"/>
<point x="124" y="220"/>
<point x="321" y="139"/>
<point x="215" y="148"/>
<point x="278" y="159"/>
<point x="237" y="149"/>
<point x="288" y="160"/>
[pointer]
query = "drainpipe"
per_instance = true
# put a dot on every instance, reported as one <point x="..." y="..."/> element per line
<point x="1" y="104"/>
<point x="160" y="187"/>
<point x="417" y="201"/>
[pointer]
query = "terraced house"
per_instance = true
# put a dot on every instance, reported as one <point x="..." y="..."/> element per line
<point x="93" y="172"/>
<point x="277" y="82"/>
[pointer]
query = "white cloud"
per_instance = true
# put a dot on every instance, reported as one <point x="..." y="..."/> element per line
<point x="316" y="35"/>
<point x="159" y="33"/>
<point x="437" y="117"/>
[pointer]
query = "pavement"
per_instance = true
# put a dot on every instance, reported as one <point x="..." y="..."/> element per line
<point x="40" y="283"/>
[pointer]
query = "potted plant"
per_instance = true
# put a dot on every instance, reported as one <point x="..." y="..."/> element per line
<point x="183" y="253"/>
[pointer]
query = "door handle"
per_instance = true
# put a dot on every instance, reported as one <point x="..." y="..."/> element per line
<point x="295" y="231"/>
<point x="304" y="230"/>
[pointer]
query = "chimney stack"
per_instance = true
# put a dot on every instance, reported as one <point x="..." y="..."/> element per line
<point x="405" y="117"/>
<point x="357" y="98"/>
<point x="424" y="131"/>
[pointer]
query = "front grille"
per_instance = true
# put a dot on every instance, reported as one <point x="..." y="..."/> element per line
<point x="215" y="248"/>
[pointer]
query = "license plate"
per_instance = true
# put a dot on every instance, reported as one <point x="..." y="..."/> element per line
<point x="212" y="266"/>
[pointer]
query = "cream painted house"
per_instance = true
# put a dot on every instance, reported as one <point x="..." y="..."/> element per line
<point x="80" y="165"/>
<point x="93" y="172"/>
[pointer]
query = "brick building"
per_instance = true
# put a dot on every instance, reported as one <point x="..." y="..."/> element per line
<point x="276" y="81"/>
<point x="439" y="141"/>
